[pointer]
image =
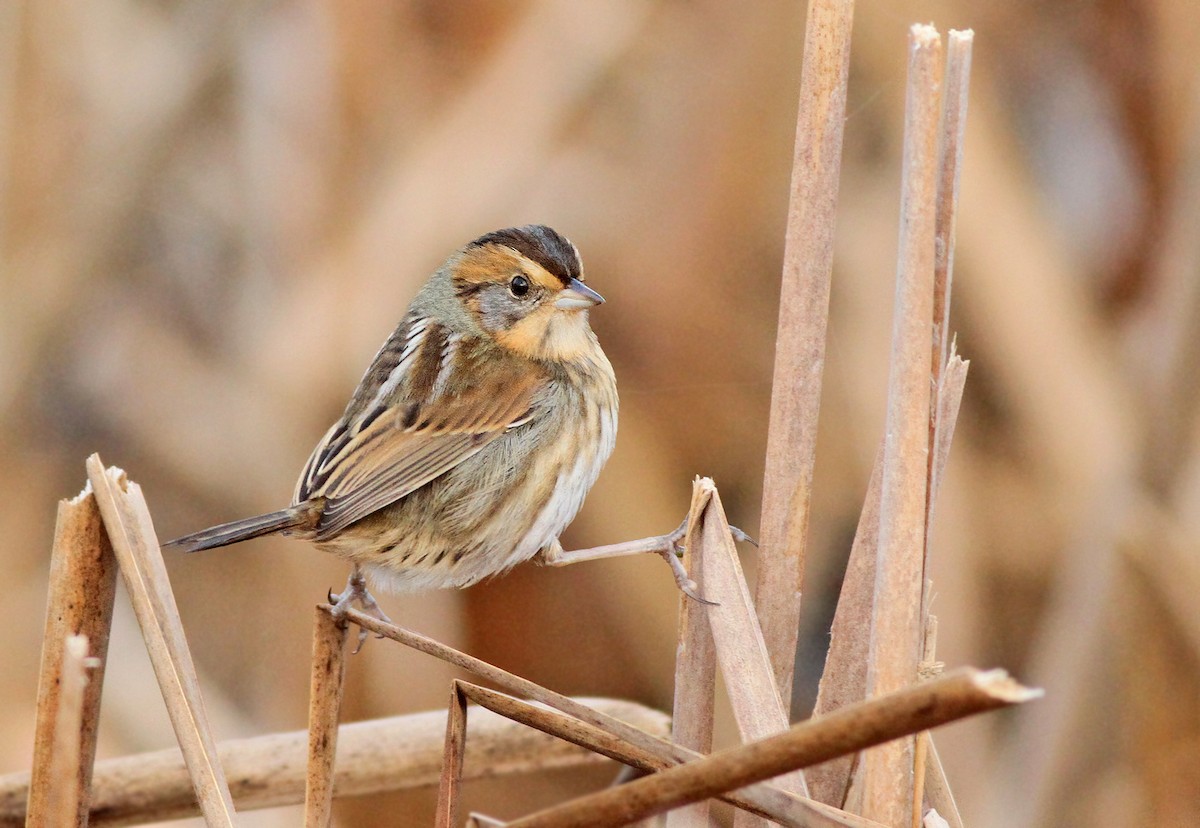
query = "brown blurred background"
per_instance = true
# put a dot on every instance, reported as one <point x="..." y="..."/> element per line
<point x="211" y="214"/>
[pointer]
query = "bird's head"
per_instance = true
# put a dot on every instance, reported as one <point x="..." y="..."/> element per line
<point x="524" y="286"/>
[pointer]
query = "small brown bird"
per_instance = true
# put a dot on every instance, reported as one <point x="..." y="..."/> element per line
<point x="475" y="434"/>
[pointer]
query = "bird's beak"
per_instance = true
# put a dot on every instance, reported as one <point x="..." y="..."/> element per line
<point x="577" y="296"/>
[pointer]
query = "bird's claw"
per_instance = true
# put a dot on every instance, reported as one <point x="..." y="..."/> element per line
<point x="673" y="552"/>
<point x="682" y="580"/>
<point x="356" y="593"/>
<point x="742" y="537"/>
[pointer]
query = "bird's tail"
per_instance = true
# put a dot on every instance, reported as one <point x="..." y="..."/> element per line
<point x="239" y="530"/>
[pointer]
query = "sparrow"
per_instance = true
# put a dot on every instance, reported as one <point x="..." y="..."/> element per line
<point x="473" y="437"/>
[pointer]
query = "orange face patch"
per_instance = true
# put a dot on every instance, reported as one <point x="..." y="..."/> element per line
<point x="549" y="333"/>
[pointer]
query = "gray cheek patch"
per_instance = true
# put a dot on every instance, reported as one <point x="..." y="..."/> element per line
<point x="499" y="310"/>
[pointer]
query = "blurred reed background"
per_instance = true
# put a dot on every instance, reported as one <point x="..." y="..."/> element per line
<point x="211" y="214"/>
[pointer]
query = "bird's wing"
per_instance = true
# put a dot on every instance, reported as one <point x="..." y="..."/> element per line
<point x="442" y="401"/>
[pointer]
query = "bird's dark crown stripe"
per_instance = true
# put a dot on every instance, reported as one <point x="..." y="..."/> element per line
<point x="539" y="244"/>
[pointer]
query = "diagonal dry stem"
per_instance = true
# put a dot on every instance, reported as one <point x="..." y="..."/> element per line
<point x="741" y="651"/>
<point x="953" y="696"/>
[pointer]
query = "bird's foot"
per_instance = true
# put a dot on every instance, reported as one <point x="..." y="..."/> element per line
<point x="356" y="593"/>
<point x="673" y="550"/>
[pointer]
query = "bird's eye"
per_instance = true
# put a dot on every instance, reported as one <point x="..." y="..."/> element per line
<point x="519" y="286"/>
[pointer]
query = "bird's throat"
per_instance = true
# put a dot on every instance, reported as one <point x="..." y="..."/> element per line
<point x="551" y="334"/>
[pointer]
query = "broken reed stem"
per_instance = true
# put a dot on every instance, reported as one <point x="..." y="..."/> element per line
<point x="136" y="547"/>
<point x="378" y="756"/>
<point x="953" y="696"/>
<point x="83" y="585"/>
<point x="741" y="651"/>
<point x="326" y="687"/>
<point x="453" y="757"/>
<point x="65" y="794"/>
<point x="800" y="337"/>
<point x="695" y="665"/>
<point x="766" y="799"/>
<point x="950" y="153"/>
<point x="899" y="575"/>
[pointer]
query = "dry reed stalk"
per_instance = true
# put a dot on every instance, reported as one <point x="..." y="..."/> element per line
<point x="83" y="583"/>
<point x="325" y="703"/>
<point x="377" y="756"/>
<point x="800" y="338"/>
<point x="766" y="801"/>
<point x="65" y="794"/>
<point x="135" y="544"/>
<point x="452" y="758"/>
<point x="899" y="575"/>
<point x="910" y="710"/>
<point x="695" y="665"/>
<point x="741" y="650"/>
